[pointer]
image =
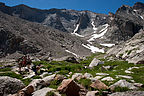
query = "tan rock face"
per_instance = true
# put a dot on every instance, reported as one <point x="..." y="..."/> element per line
<point x="98" y="85"/>
<point x="69" y="87"/>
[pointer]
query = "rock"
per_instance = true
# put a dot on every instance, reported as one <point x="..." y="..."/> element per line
<point x="77" y="76"/>
<point x="124" y="76"/>
<point x="140" y="62"/>
<point x="103" y="74"/>
<point x="69" y="87"/>
<point x="95" y="62"/>
<point x="128" y="93"/>
<point x="98" y="85"/>
<point x="10" y="85"/>
<point x="43" y="74"/>
<point x="138" y="84"/>
<point x="96" y="78"/>
<point x="71" y="59"/>
<point x="59" y="77"/>
<point x="37" y="84"/>
<point x="48" y="79"/>
<point x="107" y="79"/>
<point x="127" y="71"/>
<point x="123" y="83"/>
<point x="107" y="67"/>
<point x="88" y="76"/>
<point x="43" y="91"/>
<point x="27" y="91"/>
<point x="92" y="93"/>
<point x="30" y="75"/>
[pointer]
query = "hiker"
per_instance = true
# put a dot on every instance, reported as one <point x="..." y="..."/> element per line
<point x="28" y="62"/>
<point x="23" y="62"/>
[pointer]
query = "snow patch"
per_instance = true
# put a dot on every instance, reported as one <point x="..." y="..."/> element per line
<point x="94" y="27"/>
<point x="103" y="31"/>
<point x="93" y="49"/>
<point x="76" y="29"/>
<point x="142" y="17"/>
<point x="71" y="53"/>
<point x="107" y="45"/>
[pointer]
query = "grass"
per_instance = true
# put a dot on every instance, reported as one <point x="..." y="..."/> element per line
<point x="138" y="75"/>
<point x="63" y="67"/>
<point x="54" y="84"/>
<point x="85" y="82"/>
<point x="50" y="94"/>
<point x="5" y="69"/>
<point x="121" y="89"/>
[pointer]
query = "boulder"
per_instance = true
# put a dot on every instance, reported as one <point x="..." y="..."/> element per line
<point x="98" y="85"/>
<point x="37" y="84"/>
<point x="88" y="75"/>
<point x="92" y="93"/>
<point x="128" y="93"/>
<point x="27" y="91"/>
<point x="124" y="76"/>
<point x="107" y="79"/>
<point x="95" y="62"/>
<point x="48" y="79"/>
<point x="72" y="60"/>
<point x="59" y="77"/>
<point x="43" y="92"/>
<point x="69" y="87"/>
<point x="102" y="74"/>
<point x="77" y="76"/>
<point x="123" y="83"/>
<point x="10" y="85"/>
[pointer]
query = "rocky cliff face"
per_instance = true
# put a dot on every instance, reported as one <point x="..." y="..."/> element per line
<point x="132" y="50"/>
<point x="124" y="24"/>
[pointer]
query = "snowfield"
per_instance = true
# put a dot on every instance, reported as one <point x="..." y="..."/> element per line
<point x="103" y="31"/>
<point x="93" y="49"/>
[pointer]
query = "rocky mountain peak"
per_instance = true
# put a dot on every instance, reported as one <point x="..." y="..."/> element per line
<point x="138" y="5"/>
<point x="2" y="4"/>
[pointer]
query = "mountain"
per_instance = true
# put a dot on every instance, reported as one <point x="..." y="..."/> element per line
<point x="61" y="19"/>
<point x="24" y="37"/>
<point x="132" y="50"/>
<point x="57" y="28"/>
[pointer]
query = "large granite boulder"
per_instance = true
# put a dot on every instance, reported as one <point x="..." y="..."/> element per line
<point x="98" y="85"/>
<point x="10" y="85"/>
<point x="95" y="62"/>
<point x="69" y="87"/>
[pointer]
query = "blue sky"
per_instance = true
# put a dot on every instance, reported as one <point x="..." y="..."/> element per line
<point x="98" y="6"/>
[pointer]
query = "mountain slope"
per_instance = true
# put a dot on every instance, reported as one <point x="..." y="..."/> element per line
<point x="61" y="19"/>
<point x="26" y="37"/>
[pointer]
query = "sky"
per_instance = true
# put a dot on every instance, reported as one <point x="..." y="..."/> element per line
<point x="98" y="6"/>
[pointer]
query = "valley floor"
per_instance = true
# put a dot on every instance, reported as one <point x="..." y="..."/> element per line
<point x="116" y="75"/>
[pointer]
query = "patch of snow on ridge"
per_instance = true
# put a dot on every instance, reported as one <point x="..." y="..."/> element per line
<point x="93" y="49"/>
<point x="76" y="29"/>
<point x="94" y="27"/>
<point x="107" y="45"/>
<point x="71" y="53"/>
<point x="142" y="17"/>
<point x="103" y="31"/>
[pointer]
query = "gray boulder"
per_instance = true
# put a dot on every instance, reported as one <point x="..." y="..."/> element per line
<point x="95" y="62"/>
<point x="10" y="85"/>
<point x="128" y="93"/>
<point x="43" y="92"/>
<point x="123" y="83"/>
